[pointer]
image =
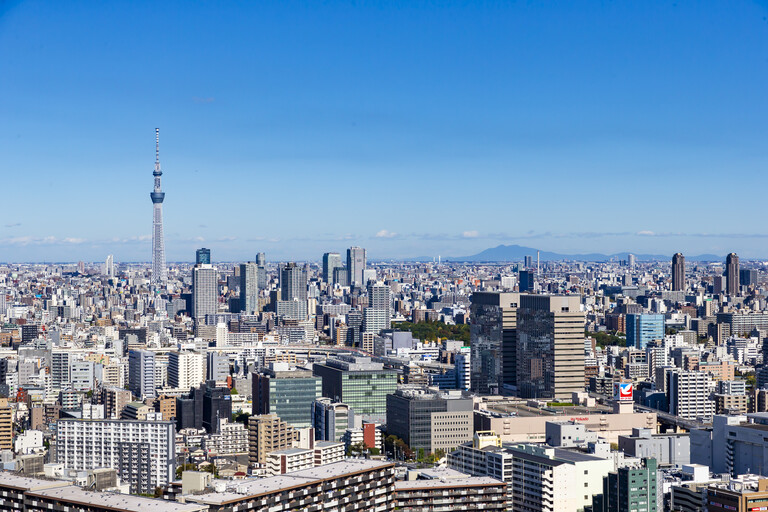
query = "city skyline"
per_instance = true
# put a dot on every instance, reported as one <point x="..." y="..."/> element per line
<point x="595" y="111"/>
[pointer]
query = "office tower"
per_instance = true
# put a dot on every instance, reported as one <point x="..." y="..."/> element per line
<point x="203" y="256"/>
<point x="268" y="433"/>
<point x="293" y="282"/>
<point x="688" y="394"/>
<point x="217" y="406"/>
<point x="159" y="270"/>
<point x="341" y="276"/>
<point x="142" y="452"/>
<point x="287" y="392"/>
<point x="218" y="366"/>
<point x="185" y="370"/>
<point x="492" y="332"/>
<point x="634" y="487"/>
<point x="644" y="328"/>
<point x="205" y="292"/>
<point x="428" y="420"/>
<point x="60" y="368"/>
<point x="678" y="272"/>
<point x="719" y="285"/>
<point x="527" y="261"/>
<point x="261" y="271"/>
<point x="354" y="329"/>
<point x="141" y="373"/>
<point x="330" y="419"/>
<point x="748" y="277"/>
<point x="29" y="333"/>
<point x="732" y="274"/>
<point x="358" y="382"/>
<point x="109" y="266"/>
<point x="249" y="288"/>
<point x="356" y="266"/>
<point x="331" y="261"/>
<point x="526" y="281"/>
<point x="550" y="346"/>
<point x="631" y="261"/>
<point x="6" y="425"/>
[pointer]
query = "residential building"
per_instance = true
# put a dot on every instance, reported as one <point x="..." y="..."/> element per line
<point x="141" y="373"/>
<point x="688" y="394"/>
<point x="732" y="274"/>
<point x="678" y="272"/>
<point x="249" y="288"/>
<point x="205" y="291"/>
<point x="446" y="495"/>
<point x="185" y="370"/>
<point x="6" y="425"/>
<point x="352" y="485"/>
<point x="268" y="433"/>
<point x="142" y="452"/>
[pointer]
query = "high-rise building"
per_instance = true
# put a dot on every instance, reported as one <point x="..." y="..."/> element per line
<point x="6" y="425"/>
<point x="205" y="291"/>
<point x="185" y="370"/>
<point x="141" y="373"/>
<point x="430" y="420"/>
<point x="249" y="288"/>
<point x="60" y="369"/>
<point x="678" y="272"/>
<point x="358" y="382"/>
<point x="109" y="266"/>
<point x="203" y="256"/>
<point x="159" y="270"/>
<point x="356" y="266"/>
<point x="293" y="282"/>
<point x="526" y="281"/>
<point x="688" y="394"/>
<point x="331" y="261"/>
<point x="732" y="273"/>
<point x="267" y="433"/>
<point x="142" y="452"/>
<point x="644" y="328"/>
<point x="550" y="346"/>
<point x="376" y="317"/>
<point x="330" y="419"/>
<point x="217" y="367"/>
<point x="747" y="277"/>
<point x="631" y="261"/>
<point x="493" y="319"/>
<point x="261" y="271"/>
<point x="633" y="487"/>
<point x="287" y="392"/>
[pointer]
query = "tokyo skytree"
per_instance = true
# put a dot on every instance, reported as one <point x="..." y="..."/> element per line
<point x="159" y="270"/>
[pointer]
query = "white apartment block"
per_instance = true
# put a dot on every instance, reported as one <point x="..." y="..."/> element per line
<point x="689" y="393"/>
<point x="232" y="439"/>
<point x="142" y="452"/>
<point x="186" y="370"/>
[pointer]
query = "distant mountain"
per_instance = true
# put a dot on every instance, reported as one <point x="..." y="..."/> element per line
<point x="503" y="253"/>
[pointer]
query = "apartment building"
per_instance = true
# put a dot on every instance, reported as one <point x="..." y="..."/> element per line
<point x="142" y="452"/>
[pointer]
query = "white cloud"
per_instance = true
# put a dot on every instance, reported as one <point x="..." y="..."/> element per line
<point x="470" y="234"/>
<point x="385" y="234"/>
<point x="645" y="232"/>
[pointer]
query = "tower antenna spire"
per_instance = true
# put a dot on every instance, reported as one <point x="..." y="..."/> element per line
<point x="157" y="145"/>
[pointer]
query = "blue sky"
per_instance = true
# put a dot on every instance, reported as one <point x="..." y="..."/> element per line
<point x="410" y="128"/>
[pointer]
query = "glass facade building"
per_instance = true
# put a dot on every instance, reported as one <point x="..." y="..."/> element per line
<point x="286" y="392"/>
<point x="492" y="334"/>
<point x="644" y="328"/>
<point x="360" y="383"/>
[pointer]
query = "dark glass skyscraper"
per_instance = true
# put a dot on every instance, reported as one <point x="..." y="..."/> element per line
<point x="203" y="255"/>
<point x="492" y="334"/>
<point x="732" y="274"/>
<point x="678" y="272"/>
